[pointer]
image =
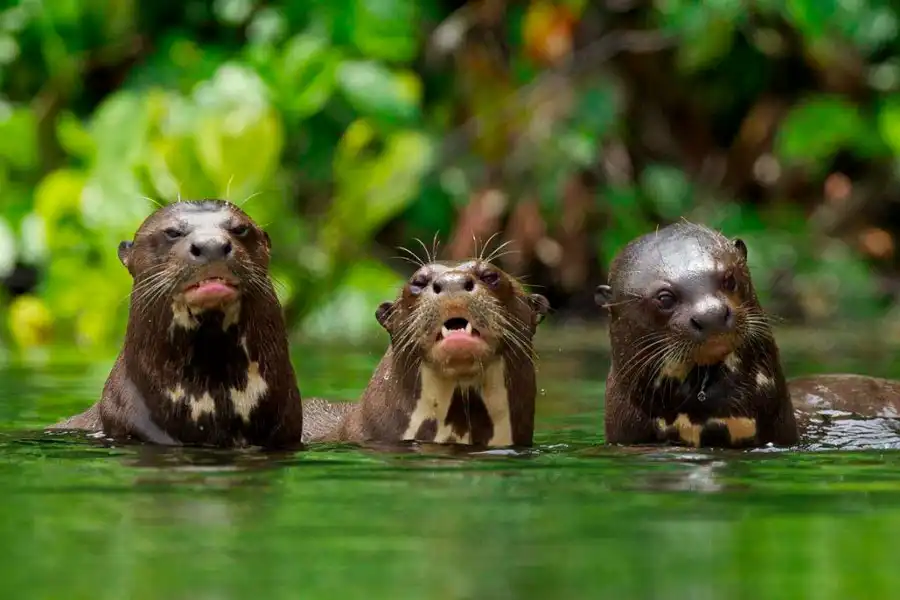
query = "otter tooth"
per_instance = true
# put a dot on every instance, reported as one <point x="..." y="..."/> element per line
<point x="468" y="328"/>
<point x="444" y="331"/>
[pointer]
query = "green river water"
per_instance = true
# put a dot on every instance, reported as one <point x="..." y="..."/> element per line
<point x="570" y="519"/>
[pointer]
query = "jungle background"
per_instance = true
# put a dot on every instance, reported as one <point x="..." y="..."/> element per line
<point x="349" y="128"/>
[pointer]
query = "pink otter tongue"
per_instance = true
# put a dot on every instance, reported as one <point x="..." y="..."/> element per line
<point x="209" y="293"/>
<point x="460" y="339"/>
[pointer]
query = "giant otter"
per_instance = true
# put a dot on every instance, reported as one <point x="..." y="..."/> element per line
<point x="459" y="368"/>
<point x="693" y="357"/>
<point x="205" y="359"/>
<point x="862" y="395"/>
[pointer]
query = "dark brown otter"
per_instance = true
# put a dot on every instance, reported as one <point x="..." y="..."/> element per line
<point x="693" y="358"/>
<point x="205" y="359"/>
<point x="868" y="397"/>
<point x="459" y="369"/>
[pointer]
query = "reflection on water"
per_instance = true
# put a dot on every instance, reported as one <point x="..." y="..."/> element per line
<point x="569" y="518"/>
<point x="834" y="429"/>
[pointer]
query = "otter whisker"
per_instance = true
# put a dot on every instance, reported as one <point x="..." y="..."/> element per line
<point x="435" y="245"/>
<point x="428" y="256"/>
<point x="415" y="260"/>
<point x="498" y="251"/>
<point x="513" y="333"/>
<point x="228" y="187"/>
<point x="157" y="203"/>
<point x="484" y="246"/>
<point x="243" y="202"/>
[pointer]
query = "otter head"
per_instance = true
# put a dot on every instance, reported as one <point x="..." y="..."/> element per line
<point x="461" y="317"/>
<point x="197" y="257"/>
<point x="682" y="296"/>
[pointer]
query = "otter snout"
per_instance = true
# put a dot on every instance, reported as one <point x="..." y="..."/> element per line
<point x="453" y="282"/>
<point x="206" y="248"/>
<point x="712" y="316"/>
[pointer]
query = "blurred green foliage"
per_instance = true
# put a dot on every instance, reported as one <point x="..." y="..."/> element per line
<point x="322" y="120"/>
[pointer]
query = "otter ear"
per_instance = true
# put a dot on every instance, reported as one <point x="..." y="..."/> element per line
<point x="540" y="305"/>
<point x="383" y="314"/>
<point x="741" y="247"/>
<point x="124" y="252"/>
<point x="267" y="239"/>
<point x="602" y="295"/>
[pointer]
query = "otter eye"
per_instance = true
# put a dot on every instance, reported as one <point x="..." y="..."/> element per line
<point x="418" y="283"/>
<point x="491" y="278"/>
<point x="729" y="282"/>
<point x="172" y="233"/>
<point x="665" y="300"/>
<point x="240" y="230"/>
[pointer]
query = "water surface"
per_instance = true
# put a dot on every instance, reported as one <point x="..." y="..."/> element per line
<point x="570" y="519"/>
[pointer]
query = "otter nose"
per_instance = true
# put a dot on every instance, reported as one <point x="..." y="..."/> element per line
<point x="211" y="248"/>
<point x="712" y="317"/>
<point x="452" y="282"/>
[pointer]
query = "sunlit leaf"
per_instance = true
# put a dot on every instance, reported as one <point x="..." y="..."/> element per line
<point x="7" y="248"/>
<point x="239" y="159"/>
<point x="119" y="128"/>
<point x="30" y="321"/>
<point x="376" y="91"/>
<point x="59" y="195"/>
<point x="74" y="137"/>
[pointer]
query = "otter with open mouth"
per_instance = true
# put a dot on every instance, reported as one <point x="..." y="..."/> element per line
<point x="694" y="360"/>
<point x="205" y="359"/>
<point x="459" y="368"/>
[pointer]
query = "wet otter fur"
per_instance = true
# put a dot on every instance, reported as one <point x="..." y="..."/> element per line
<point x="694" y="360"/>
<point x="205" y="359"/>
<point x="459" y="368"/>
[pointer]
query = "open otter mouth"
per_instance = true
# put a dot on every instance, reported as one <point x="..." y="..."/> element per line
<point x="457" y="327"/>
<point x="459" y="341"/>
<point x="211" y="292"/>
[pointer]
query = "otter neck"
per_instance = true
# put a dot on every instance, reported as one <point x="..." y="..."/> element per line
<point x="445" y="409"/>
<point x="212" y="364"/>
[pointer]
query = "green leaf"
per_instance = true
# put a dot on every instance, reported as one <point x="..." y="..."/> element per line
<point x="58" y="195"/>
<point x="372" y="190"/>
<point x="18" y="138"/>
<point x="669" y="190"/>
<point x="307" y="76"/>
<point x="375" y="91"/>
<point x="238" y="137"/>
<point x="350" y="309"/>
<point x="7" y="248"/>
<point x="817" y="129"/>
<point x="889" y="123"/>
<point x="386" y="29"/>
<point x="119" y="129"/>
<point x="74" y="137"/>
<point x="709" y="46"/>
<point x="239" y="159"/>
<point x="812" y="17"/>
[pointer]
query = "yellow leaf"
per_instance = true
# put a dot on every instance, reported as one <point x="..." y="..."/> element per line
<point x="30" y="321"/>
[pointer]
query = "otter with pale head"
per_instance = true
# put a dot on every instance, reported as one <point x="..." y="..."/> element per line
<point x="694" y="360"/>
<point x="459" y="369"/>
<point x="205" y="359"/>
